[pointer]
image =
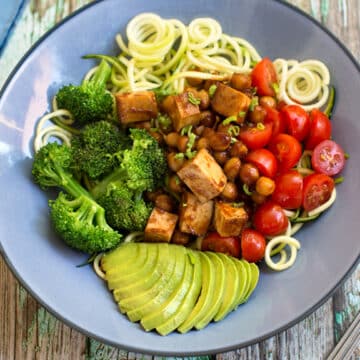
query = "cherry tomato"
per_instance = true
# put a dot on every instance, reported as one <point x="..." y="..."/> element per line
<point x="252" y="245"/>
<point x="317" y="190"/>
<point x="270" y="219"/>
<point x="264" y="160"/>
<point x="287" y="151"/>
<point x="276" y="119"/>
<point x="328" y="158"/>
<point x="320" y="129"/>
<point x="263" y="77"/>
<point x="257" y="136"/>
<point x="297" y="121"/>
<point x="227" y="245"/>
<point x="288" y="189"/>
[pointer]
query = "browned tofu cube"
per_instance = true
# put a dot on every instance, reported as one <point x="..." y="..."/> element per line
<point x="229" y="220"/>
<point x="229" y="102"/>
<point x="203" y="175"/>
<point x="160" y="226"/>
<point x="194" y="216"/>
<point x="136" y="106"/>
<point x="181" y="111"/>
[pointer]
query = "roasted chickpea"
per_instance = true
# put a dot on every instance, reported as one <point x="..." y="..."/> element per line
<point x="232" y="168"/>
<point x="180" y="238"/>
<point x="208" y="83"/>
<point x="157" y="136"/>
<point x="196" y="82"/>
<point x="208" y="132"/>
<point x="175" y="162"/>
<point x="223" y="128"/>
<point x="198" y="130"/>
<point x="219" y="141"/>
<point x="221" y="156"/>
<point x="257" y="198"/>
<point x="175" y="184"/>
<point x="257" y="115"/>
<point x="182" y="142"/>
<point x="207" y="118"/>
<point x="204" y="97"/>
<point x="152" y="195"/>
<point x="265" y="186"/>
<point x="268" y="101"/>
<point x="240" y="81"/>
<point x="202" y="143"/>
<point x="171" y="139"/>
<point x="164" y="202"/>
<point x="142" y="125"/>
<point x="248" y="174"/>
<point x="238" y="149"/>
<point x="230" y="191"/>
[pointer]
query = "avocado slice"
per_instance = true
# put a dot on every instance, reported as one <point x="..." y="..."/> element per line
<point x="123" y="254"/>
<point x="248" y="280"/>
<point x="243" y="281"/>
<point x="153" y="303"/>
<point x="189" y="300"/>
<point x="171" y="305"/>
<point x="231" y="289"/>
<point x="146" y="282"/>
<point x="254" y="278"/>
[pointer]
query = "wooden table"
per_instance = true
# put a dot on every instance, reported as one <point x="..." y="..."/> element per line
<point x="28" y="331"/>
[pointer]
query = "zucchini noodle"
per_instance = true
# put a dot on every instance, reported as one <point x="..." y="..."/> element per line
<point x="97" y="267"/>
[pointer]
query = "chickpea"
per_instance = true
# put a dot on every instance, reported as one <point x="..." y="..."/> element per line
<point x="232" y="168"/>
<point x="180" y="238"/>
<point x="220" y="141"/>
<point x="152" y="195"/>
<point x="175" y="163"/>
<point x="171" y="139"/>
<point x="175" y="184"/>
<point x="208" y="83"/>
<point x="142" y="125"/>
<point x="207" y="118"/>
<point x="198" y="130"/>
<point x="202" y="143"/>
<point x="208" y="132"/>
<point x="204" y="97"/>
<point x="224" y="128"/>
<point x="265" y="186"/>
<point x="268" y="101"/>
<point x="194" y="81"/>
<point x="182" y="142"/>
<point x="230" y="191"/>
<point x="240" y="81"/>
<point x="257" y="198"/>
<point x="248" y="174"/>
<point x="238" y="149"/>
<point x="157" y="136"/>
<point x="257" y="115"/>
<point x="221" y="157"/>
<point x="164" y="202"/>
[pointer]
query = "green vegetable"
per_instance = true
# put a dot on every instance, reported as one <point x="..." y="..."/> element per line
<point x="192" y="99"/>
<point x="212" y="90"/>
<point x="77" y="217"/>
<point x="89" y="101"/>
<point x="254" y="102"/>
<point x="330" y="105"/>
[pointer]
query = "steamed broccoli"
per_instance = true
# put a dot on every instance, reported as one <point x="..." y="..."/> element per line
<point x="97" y="149"/>
<point x="89" y="101"/>
<point x="77" y="217"/>
<point x="143" y="166"/>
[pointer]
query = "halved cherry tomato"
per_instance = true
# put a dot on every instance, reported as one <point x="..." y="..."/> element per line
<point x="320" y="129"/>
<point x="287" y="151"/>
<point x="263" y="77"/>
<point x="297" y="121"/>
<point x="288" y="189"/>
<point x="264" y="160"/>
<point x="227" y="245"/>
<point x="270" y="219"/>
<point x="273" y="117"/>
<point x="317" y="190"/>
<point x="328" y="158"/>
<point x="257" y="136"/>
<point x="252" y="245"/>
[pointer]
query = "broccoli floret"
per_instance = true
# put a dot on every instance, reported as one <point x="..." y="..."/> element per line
<point x="97" y="149"/>
<point x="143" y="166"/>
<point x="125" y="209"/>
<point x="89" y="101"/>
<point x="77" y="217"/>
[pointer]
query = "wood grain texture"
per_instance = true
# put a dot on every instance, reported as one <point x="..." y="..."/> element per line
<point x="27" y="331"/>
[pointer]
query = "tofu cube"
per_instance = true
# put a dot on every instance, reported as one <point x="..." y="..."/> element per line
<point x="136" y="106"/>
<point x="194" y="216"/>
<point x="181" y="111"/>
<point x="160" y="226"/>
<point x="228" y="101"/>
<point x="229" y="220"/>
<point x="203" y="175"/>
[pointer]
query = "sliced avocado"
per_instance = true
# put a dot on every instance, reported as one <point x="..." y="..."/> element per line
<point x="152" y="304"/>
<point x="253" y="280"/>
<point x="243" y="281"/>
<point x="248" y="278"/>
<point x="118" y="282"/>
<point x="148" y="280"/>
<point x="125" y="253"/>
<point x="231" y="289"/>
<point x="171" y="305"/>
<point x="189" y="300"/>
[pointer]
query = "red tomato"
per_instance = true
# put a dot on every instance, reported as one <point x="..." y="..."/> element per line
<point x="256" y="137"/>
<point x="227" y="245"/>
<point x="270" y="219"/>
<point x="263" y="77"/>
<point x="288" y="189"/>
<point x="264" y="160"/>
<point x="252" y="245"/>
<point x="287" y="151"/>
<point x="297" y="121"/>
<point x="273" y="117"/>
<point x="328" y="158"/>
<point x="320" y="129"/>
<point x="317" y="190"/>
